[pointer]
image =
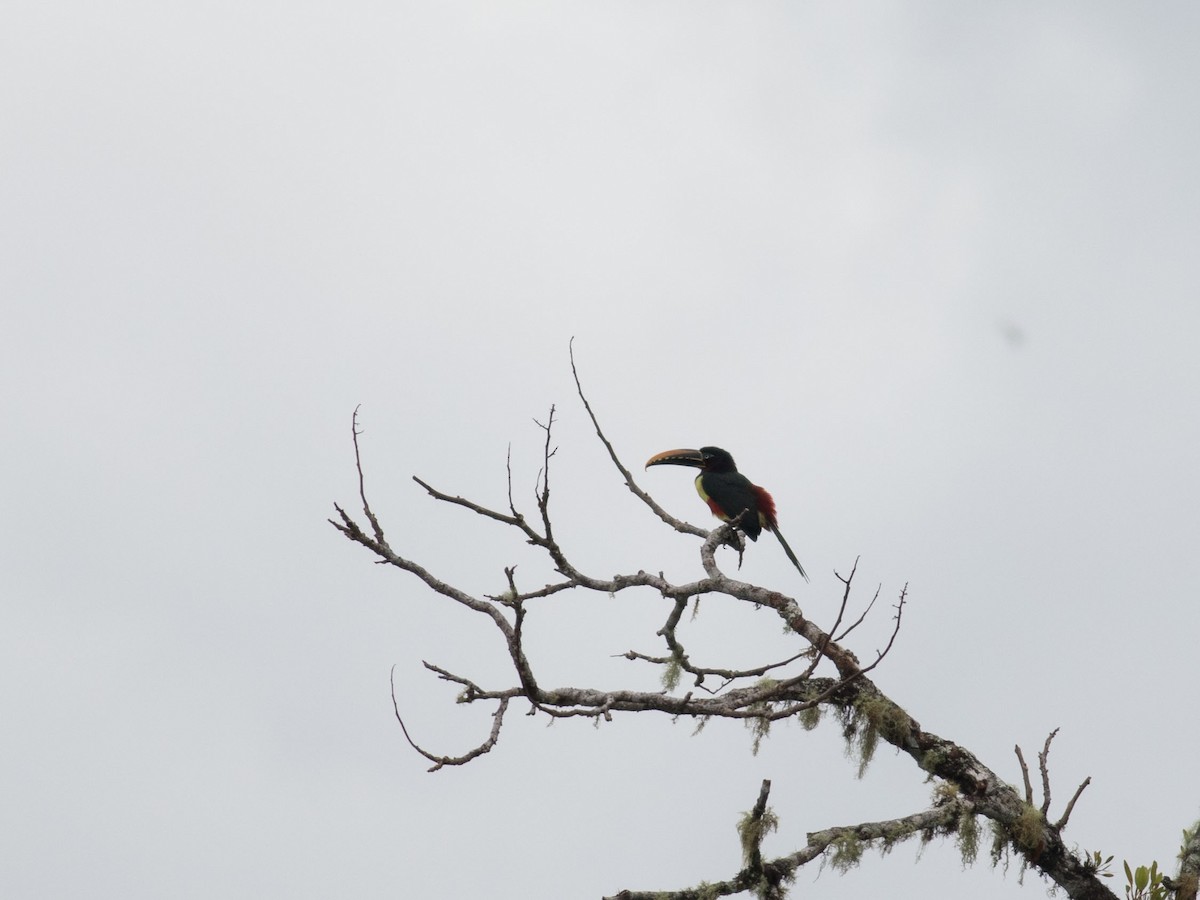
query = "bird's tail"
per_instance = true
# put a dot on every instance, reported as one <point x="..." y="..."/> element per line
<point x="791" y="555"/>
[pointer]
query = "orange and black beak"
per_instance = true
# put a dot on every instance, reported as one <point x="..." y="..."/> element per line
<point x="692" y="458"/>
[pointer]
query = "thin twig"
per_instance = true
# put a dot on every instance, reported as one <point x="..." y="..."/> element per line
<point x="362" y="489"/>
<point x="515" y="520"/>
<point x="730" y="675"/>
<point x="543" y="496"/>
<point x="677" y="524"/>
<point x="845" y="596"/>
<point x="508" y="472"/>
<point x="841" y="637"/>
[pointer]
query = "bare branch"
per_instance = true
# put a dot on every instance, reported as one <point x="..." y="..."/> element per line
<point x="845" y="598"/>
<point x="545" y="591"/>
<point x="730" y="675"/>
<point x="508" y="470"/>
<point x="677" y="524"/>
<point x="1042" y="758"/>
<point x="362" y="490"/>
<point x="1062" y="823"/>
<point x="515" y="520"/>
<point x="829" y="639"/>
<point x="472" y="691"/>
<point x="846" y="582"/>
<point x="440" y="761"/>
<point x="543" y="496"/>
<point x="976" y="789"/>
<point x="1024" y="774"/>
<point x="899" y="607"/>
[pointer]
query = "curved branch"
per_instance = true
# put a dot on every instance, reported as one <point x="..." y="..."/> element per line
<point x="441" y="761"/>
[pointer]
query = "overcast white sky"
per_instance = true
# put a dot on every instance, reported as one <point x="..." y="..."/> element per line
<point x="929" y="273"/>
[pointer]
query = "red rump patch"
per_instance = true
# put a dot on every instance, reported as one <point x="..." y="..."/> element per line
<point x="766" y="506"/>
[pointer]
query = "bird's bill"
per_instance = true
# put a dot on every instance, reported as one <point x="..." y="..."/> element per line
<point x="677" y="458"/>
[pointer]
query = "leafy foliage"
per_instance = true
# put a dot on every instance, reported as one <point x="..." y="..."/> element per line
<point x="1145" y="883"/>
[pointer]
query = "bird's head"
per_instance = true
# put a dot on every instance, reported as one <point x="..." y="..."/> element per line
<point x="710" y="459"/>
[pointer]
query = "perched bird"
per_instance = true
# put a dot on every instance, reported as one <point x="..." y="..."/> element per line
<point x="728" y="492"/>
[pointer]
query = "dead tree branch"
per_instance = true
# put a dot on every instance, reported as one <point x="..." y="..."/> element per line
<point x="1024" y="774"/>
<point x="1062" y="822"/>
<point x="845" y="685"/>
<point x="1043" y="766"/>
<point x="678" y="525"/>
<point x="440" y="761"/>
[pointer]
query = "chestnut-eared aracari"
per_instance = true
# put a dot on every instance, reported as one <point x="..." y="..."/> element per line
<point x="728" y="492"/>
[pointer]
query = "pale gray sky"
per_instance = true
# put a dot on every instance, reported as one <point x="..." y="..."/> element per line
<point x="929" y="273"/>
